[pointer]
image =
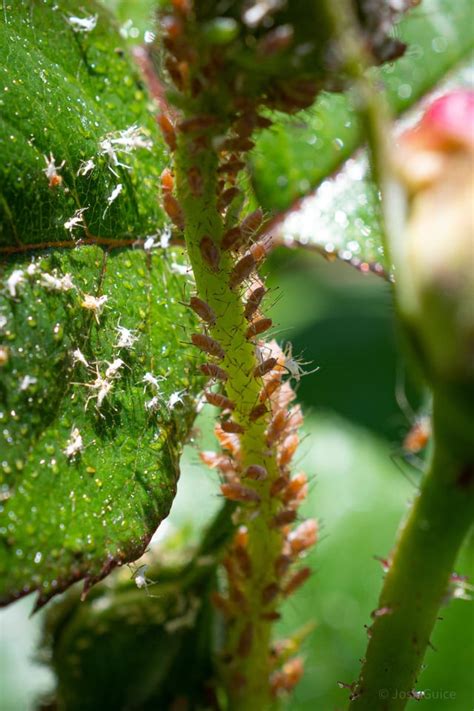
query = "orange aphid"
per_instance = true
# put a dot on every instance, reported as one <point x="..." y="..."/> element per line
<point x="283" y="518"/>
<point x="287" y="449"/>
<point x="173" y="210"/>
<point x="278" y="485"/>
<point x="243" y="561"/>
<point x="258" y="327"/>
<point x="258" y="251"/>
<point x="232" y="427"/>
<point x="227" y="440"/>
<point x="277" y="426"/>
<point x="418" y="436"/>
<point x="257" y="412"/>
<point x="167" y="181"/>
<point x="296" y="581"/>
<point x="219" y="400"/>
<point x="270" y="388"/>
<point x="218" y="461"/>
<point x="288" y="677"/>
<point x="241" y="537"/>
<point x="167" y="130"/>
<point x="236" y="492"/>
<point x="296" y="490"/>
<point x="303" y="537"/>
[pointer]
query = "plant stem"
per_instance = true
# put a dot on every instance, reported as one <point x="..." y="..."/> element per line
<point x="250" y="673"/>
<point x="419" y="574"/>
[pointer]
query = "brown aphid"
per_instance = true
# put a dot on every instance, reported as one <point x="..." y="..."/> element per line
<point x="263" y="122"/>
<point x="270" y="388"/>
<point x="226" y="197"/>
<point x="221" y="603"/>
<point x="219" y="400"/>
<point x="173" y="68"/>
<point x="167" y="130"/>
<point x="256" y="472"/>
<point x="203" y="310"/>
<point x="195" y="181"/>
<point x="167" y="181"/>
<point x="196" y="124"/>
<point x="241" y="537"/>
<point x="232" y="427"/>
<point x="272" y="616"/>
<point x="283" y="518"/>
<point x="227" y="440"/>
<point x="173" y="28"/>
<point x="258" y="327"/>
<point x="257" y="412"/>
<point x="232" y="167"/>
<point x="252" y="222"/>
<point x="264" y="367"/>
<point x="244" y="644"/>
<point x="182" y="6"/>
<point x="275" y="41"/>
<point x="241" y="270"/>
<point x="303" y="537"/>
<point x="210" y="253"/>
<point x="296" y="581"/>
<point x="243" y="561"/>
<point x="269" y="593"/>
<point x="173" y="210"/>
<point x="282" y="564"/>
<point x="237" y="492"/>
<point x="214" y="371"/>
<point x="258" y="251"/>
<point x="288" y="449"/>
<point x="253" y="301"/>
<point x="208" y="345"/>
<point x="278" y="485"/>
<point x="231" y="239"/>
<point x="241" y="145"/>
<point x="218" y="461"/>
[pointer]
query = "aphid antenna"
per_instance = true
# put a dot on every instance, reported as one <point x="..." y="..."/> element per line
<point x="397" y="458"/>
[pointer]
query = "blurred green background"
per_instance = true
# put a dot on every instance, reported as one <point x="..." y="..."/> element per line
<point x="360" y="487"/>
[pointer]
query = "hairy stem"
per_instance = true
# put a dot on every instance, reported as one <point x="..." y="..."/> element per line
<point x="417" y="581"/>
<point x="250" y="670"/>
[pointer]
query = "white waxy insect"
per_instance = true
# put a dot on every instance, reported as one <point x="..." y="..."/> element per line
<point x="82" y="24"/>
<point x="74" y="445"/>
<point x="78" y="357"/>
<point x="114" y="368"/>
<point x="126" y="337"/>
<point x="142" y="581"/>
<point x="32" y="269"/>
<point x="86" y="167"/>
<point x="153" y="404"/>
<point x="165" y="238"/>
<point x="53" y="283"/>
<point x="180" y="269"/>
<point x="14" y="281"/>
<point x="76" y="220"/>
<point x="95" y="304"/>
<point x="27" y="382"/>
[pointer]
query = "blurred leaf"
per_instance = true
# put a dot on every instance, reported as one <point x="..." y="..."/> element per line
<point x="132" y="647"/>
<point x="294" y="156"/>
<point x="89" y="451"/>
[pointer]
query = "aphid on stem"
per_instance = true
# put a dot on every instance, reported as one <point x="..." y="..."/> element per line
<point x="173" y="210"/>
<point x="219" y="400"/>
<point x="253" y="301"/>
<point x="232" y="427"/>
<point x="210" y="253"/>
<point x="214" y="371"/>
<point x="226" y="198"/>
<point x="203" y="310"/>
<point x="208" y="345"/>
<point x="256" y="472"/>
<point x="300" y="577"/>
<point x="258" y="327"/>
<point x="195" y="181"/>
<point x="167" y="181"/>
<point x="237" y="492"/>
<point x="231" y="239"/>
<point x="264" y="367"/>
<point x="284" y="517"/>
<point x="241" y="270"/>
<point x="167" y="130"/>
<point x="257" y="412"/>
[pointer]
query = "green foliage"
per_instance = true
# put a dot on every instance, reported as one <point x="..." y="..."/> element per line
<point x="295" y="155"/>
<point x="89" y="458"/>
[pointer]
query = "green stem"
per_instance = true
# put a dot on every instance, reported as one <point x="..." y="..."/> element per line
<point x="202" y="218"/>
<point x="417" y="581"/>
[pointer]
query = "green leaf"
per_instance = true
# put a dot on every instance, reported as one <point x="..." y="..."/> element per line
<point x="294" y="156"/>
<point x="90" y="443"/>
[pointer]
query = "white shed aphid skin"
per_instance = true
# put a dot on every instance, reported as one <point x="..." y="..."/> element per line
<point x="141" y="580"/>
<point x="32" y="269"/>
<point x="126" y="337"/>
<point x="85" y="167"/>
<point x="153" y="381"/>
<point x="95" y="304"/>
<point x="82" y="24"/>
<point x="114" y="368"/>
<point x="113" y="196"/>
<point x="175" y="398"/>
<point x="124" y="141"/>
<point x="153" y="404"/>
<point x="51" y="171"/>
<point x="78" y="357"/>
<point x="77" y="220"/>
<point x="102" y="386"/>
<point x="180" y="269"/>
<point x="14" y="281"/>
<point x="53" y="283"/>
<point x="295" y="366"/>
<point x="74" y="445"/>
